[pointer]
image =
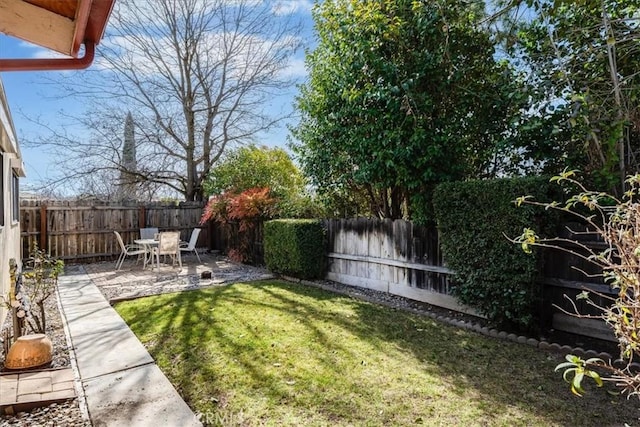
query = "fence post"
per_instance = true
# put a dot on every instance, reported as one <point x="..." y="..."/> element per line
<point x="43" y="227"/>
<point x="211" y="236"/>
<point x="142" y="217"/>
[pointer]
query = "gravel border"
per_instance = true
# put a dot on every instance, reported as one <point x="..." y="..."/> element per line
<point x="66" y="413"/>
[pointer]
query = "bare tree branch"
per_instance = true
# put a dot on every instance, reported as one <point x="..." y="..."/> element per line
<point x="197" y="76"/>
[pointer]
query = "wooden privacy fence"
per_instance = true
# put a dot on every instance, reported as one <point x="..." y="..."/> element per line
<point x="83" y="231"/>
<point x="396" y="257"/>
<point x="404" y="259"/>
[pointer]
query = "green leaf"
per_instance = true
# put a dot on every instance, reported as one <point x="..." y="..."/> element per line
<point x="596" y="377"/>
<point x="583" y="295"/>
<point x="566" y="375"/>
<point x="564" y="365"/>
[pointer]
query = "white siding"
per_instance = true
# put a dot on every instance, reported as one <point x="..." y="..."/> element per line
<point x="11" y="163"/>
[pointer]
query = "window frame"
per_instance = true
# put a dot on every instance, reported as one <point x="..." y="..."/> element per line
<point x="2" y="190"/>
<point x="15" y="197"/>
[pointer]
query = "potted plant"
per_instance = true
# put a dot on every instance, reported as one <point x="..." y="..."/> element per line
<point x="27" y="300"/>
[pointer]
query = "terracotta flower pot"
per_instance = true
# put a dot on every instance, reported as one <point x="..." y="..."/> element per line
<point x="29" y="351"/>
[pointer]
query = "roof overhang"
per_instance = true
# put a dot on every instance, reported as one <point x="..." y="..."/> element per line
<point x="60" y="25"/>
<point x="8" y="141"/>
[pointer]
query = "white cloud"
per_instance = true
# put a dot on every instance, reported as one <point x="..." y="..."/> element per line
<point x="295" y="68"/>
<point x="38" y="52"/>
<point x="139" y="46"/>
<point x="288" y="7"/>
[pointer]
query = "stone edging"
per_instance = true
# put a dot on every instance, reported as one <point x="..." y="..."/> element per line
<point x="490" y="332"/>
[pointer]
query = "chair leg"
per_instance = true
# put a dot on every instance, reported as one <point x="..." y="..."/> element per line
<point x="196" y="251"/>
<point x="120" y="261"/>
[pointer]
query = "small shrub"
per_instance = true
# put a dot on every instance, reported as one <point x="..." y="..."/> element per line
<point x="491" y="275"/>
<point x="295" y="247"/>
<point x="33" y="287"/>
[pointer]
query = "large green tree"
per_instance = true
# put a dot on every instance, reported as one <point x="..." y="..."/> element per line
<point x="402" y="95"/>
<point x="583" y="58"/>
<point x="252" y="167"/>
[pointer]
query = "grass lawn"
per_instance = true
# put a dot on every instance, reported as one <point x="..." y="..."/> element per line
<point x="275" y="353"/>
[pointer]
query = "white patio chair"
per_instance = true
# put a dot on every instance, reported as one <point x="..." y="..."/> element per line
<point x="168" y="244"/>
<point x="148" y="232"/>
<point x="128" y="250"/>
<point x="191" y="245"/>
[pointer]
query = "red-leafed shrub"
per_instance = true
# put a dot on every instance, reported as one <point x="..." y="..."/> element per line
<point x="216" y="209"/>
<point x="246" y="210"/>
<point x="251" y="205"/>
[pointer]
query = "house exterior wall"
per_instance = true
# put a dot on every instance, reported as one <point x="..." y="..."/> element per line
<point x="12" y="168"/>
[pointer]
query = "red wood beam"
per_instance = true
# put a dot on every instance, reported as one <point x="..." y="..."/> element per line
<point x="51" y="64"/>
<point x="82" y="17"/>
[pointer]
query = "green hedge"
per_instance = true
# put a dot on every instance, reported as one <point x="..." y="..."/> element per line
<point x="492" y="274"/>
<point x="295" y="247"/>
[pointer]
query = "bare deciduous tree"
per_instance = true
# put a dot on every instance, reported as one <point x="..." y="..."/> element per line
<point x="197" y="75"/>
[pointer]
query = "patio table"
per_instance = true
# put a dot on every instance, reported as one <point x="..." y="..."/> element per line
<point x="148" y="245"/>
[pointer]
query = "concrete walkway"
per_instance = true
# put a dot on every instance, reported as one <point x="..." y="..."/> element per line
<point x="120" y="382"/>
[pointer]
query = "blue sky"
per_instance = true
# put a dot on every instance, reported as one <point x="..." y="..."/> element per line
<point x="30" y="96"/>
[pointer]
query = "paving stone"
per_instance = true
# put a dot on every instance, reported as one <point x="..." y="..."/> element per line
<point x="79" y="292"/>
<point x="8" y="384"/>
<point x="9" y="377"/>
<point x="34" y="385"/>
<point x="150" y="399"/>
<point x="67" y="385"/>
<point x="108" y="351"/>
<point x="8" y="392"/>
<point x="31" y="397"/>
<point x="58" y="395"/>
<point x="34" y="374"/>
<point x="97" y="319"/>
<point x="123" y="386"/>
<point x="62" y="375"/>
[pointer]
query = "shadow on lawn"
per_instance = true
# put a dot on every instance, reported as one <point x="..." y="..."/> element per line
<point x="505" y="375"/>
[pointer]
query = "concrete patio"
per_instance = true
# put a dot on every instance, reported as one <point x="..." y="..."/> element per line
<point x="132" y="281"/>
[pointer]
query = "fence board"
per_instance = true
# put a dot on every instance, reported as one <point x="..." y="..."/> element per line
<point x="391" y="256"/>
<point x="83" y="231"/>
<point x="405" y="259"/>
